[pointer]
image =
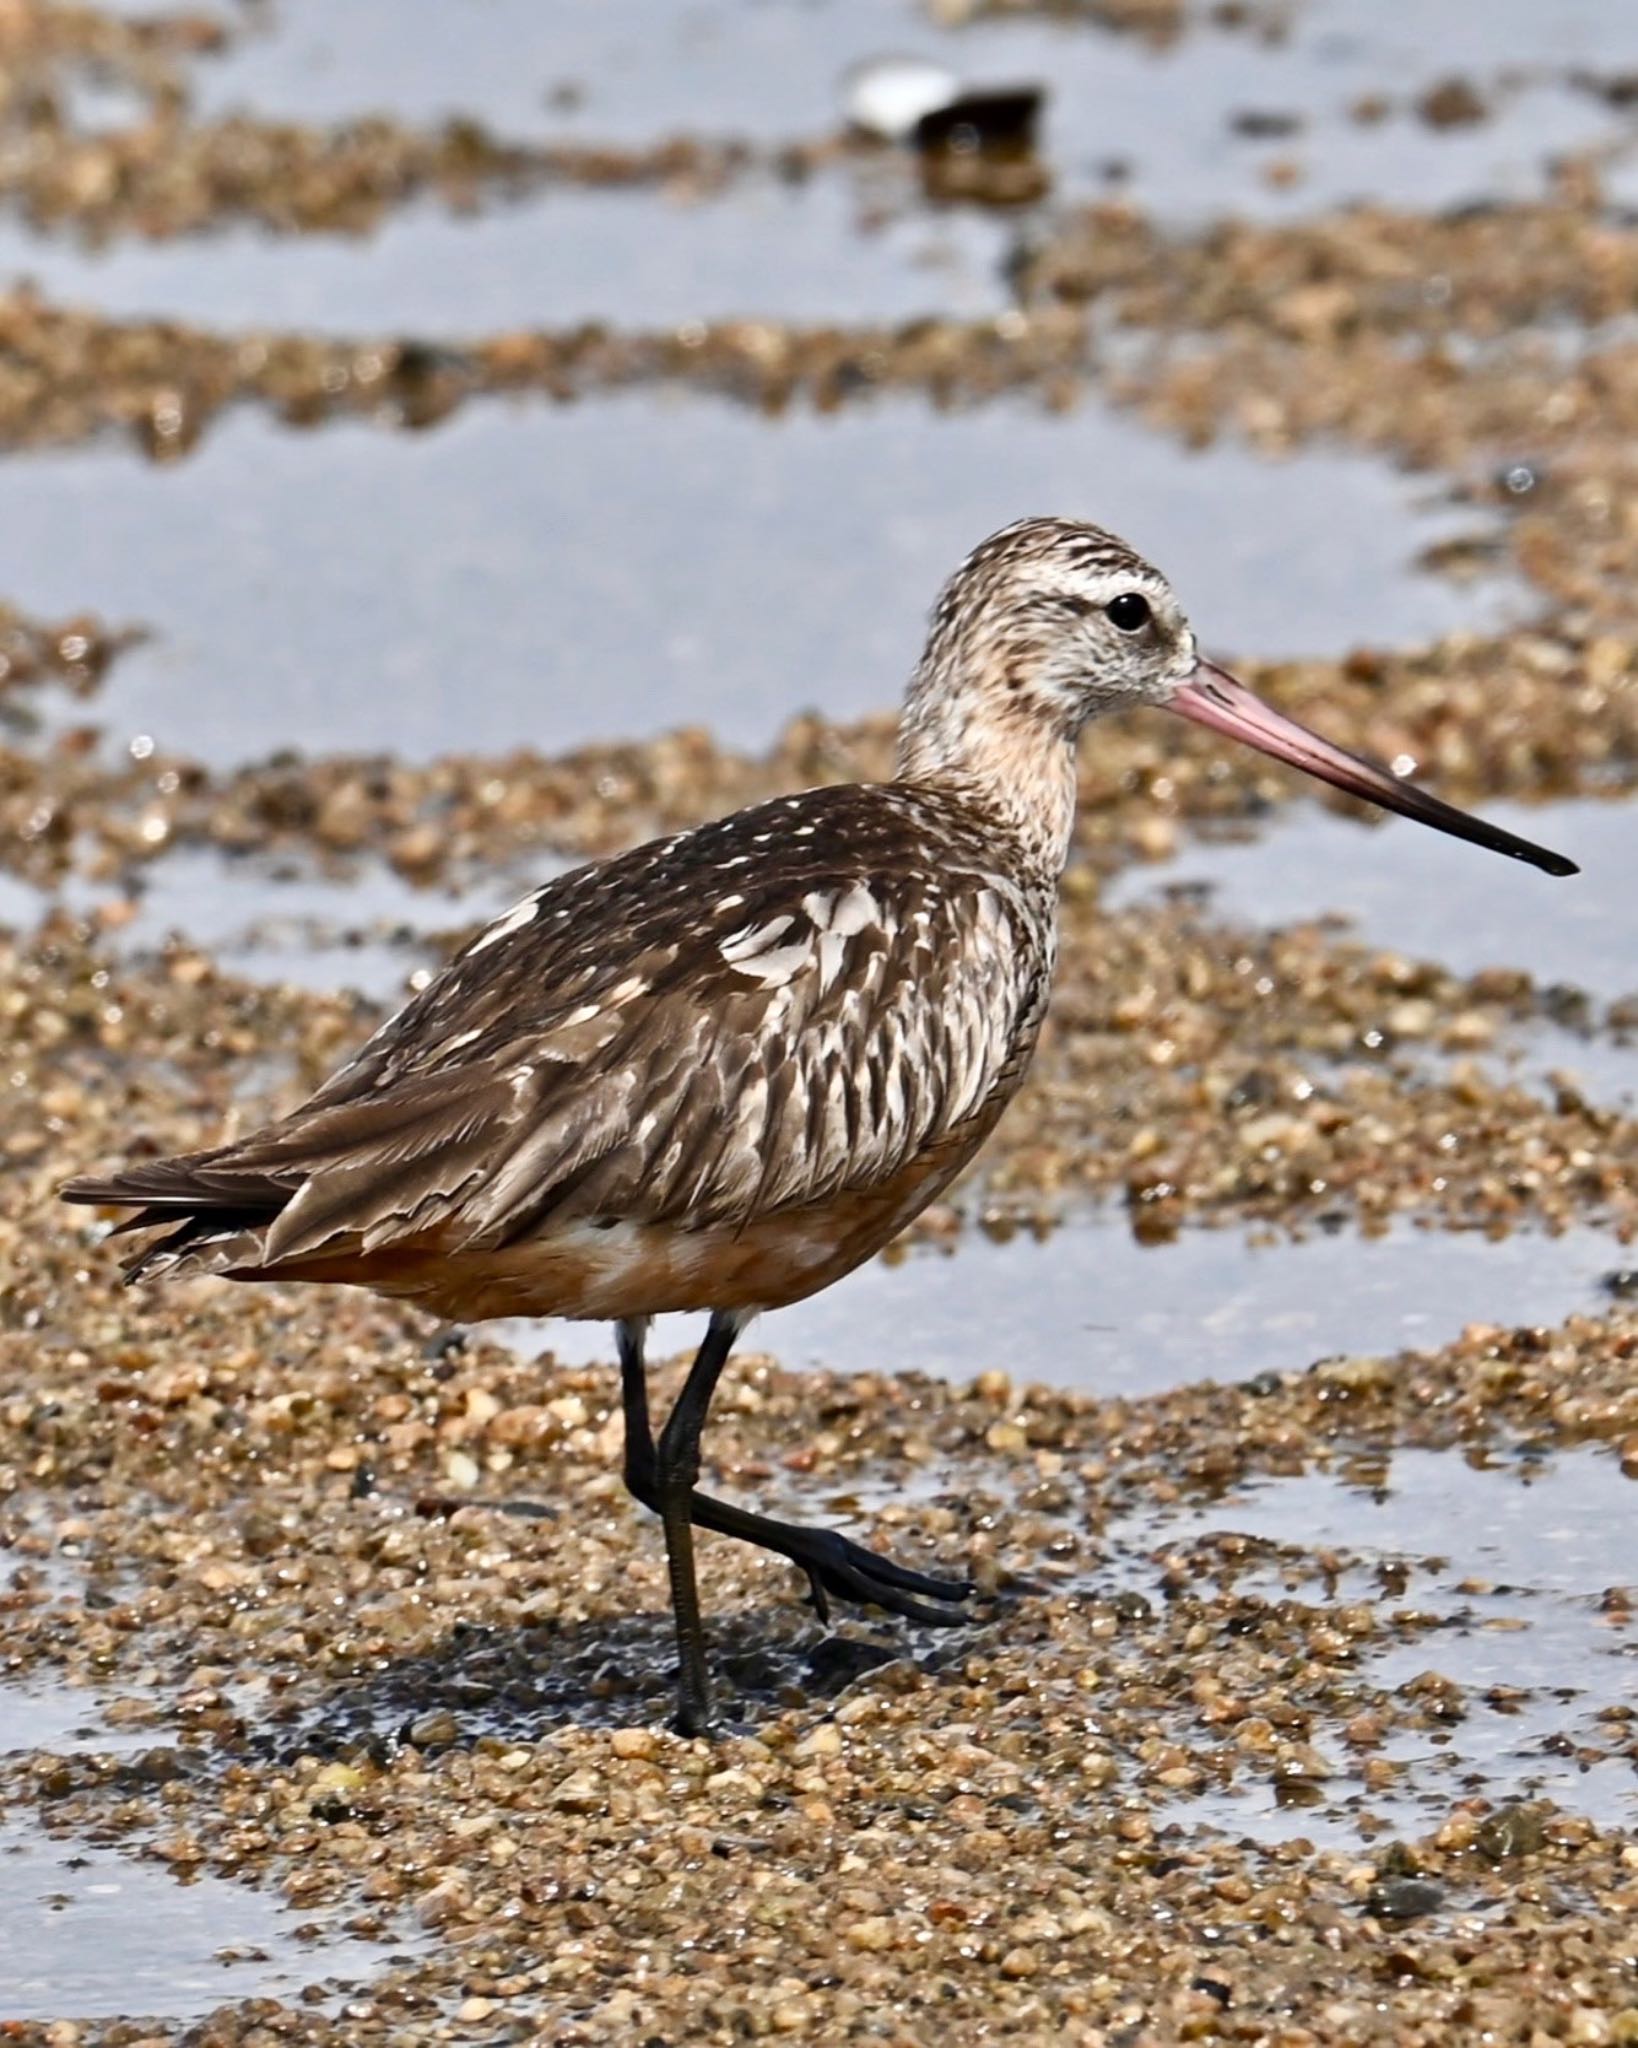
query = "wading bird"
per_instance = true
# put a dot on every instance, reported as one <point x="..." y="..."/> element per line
<point x="718" y="1072"/>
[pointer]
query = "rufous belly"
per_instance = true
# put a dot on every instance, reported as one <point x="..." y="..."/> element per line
<point x="608" y="1270"/>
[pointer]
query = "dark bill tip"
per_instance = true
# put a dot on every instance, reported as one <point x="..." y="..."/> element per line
<point x="1212" y="697"/>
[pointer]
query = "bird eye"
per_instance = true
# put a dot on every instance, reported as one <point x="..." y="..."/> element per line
<point x="1129" y="611"/>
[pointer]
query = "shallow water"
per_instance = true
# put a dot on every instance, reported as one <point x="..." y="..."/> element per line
<point x="366" y="930"/>
<point x="1520" y="1521"/>
<point x="608" y="570"/>
<point x="797" y="253"/>
<point x="1403" y="887"/>
<point x="548" y="577"/>
<point x="1093" y="1308"/>
<point x="1162" y="115"/>
<point x="43" y="1714"/>
<point x="1521" y="1549"/>
<point x="90" y="1934"/>
<point x="1163" y="120"/>
<point x="1599" y="1069"/>
<point x="21" y="904"/>
<point x="1486" y="1567"/>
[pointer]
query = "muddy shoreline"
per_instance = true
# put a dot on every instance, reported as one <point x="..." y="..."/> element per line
<point x="1297" y="1709"/>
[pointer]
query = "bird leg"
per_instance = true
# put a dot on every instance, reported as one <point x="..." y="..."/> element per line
<point x="676" y="1467"/>
<point x="631" y="1336"/>
<point x="834" y="1565"/>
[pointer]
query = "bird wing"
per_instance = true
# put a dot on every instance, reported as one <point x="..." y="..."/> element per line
<point x="757" y="1015"/>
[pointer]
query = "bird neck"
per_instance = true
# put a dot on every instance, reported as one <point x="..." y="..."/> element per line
<point x="997" y="758"/>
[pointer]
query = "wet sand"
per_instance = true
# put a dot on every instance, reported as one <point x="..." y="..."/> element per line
<point x="1272" y="1372"/>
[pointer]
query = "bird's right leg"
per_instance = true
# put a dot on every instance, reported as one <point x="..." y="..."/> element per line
<point x="835" y="1566"/>
<point x="631" y="1336"/>
<point x="676" y="1467"/>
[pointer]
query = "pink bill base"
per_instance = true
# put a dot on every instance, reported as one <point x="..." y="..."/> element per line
<point x="1211" y="696"/>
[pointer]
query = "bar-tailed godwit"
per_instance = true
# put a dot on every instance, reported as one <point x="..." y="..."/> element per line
<point x="719" y="1071"/>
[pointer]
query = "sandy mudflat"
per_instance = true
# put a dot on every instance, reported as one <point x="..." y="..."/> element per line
<point x="1298" y="1706"/>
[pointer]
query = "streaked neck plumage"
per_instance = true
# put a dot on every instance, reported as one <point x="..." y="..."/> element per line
<point x="970" y="728"/>
<point x="1046" y="624"/>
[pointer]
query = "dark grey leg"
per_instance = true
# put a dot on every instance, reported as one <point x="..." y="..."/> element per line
<point x="676" y="1467"/>
<point x="639" y="1466"/>
<point x="834" y="1565"/>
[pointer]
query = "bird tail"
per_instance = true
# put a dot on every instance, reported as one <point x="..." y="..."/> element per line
<point x="212" y="1213"/>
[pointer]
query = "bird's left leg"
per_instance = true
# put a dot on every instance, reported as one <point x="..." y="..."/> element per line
<point x="835" y="1566"/>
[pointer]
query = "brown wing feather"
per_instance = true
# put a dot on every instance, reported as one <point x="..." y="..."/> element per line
<point x="754" y="1015"/>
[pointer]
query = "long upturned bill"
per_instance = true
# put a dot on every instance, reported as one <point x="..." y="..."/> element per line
<point x="1212" y="697"/>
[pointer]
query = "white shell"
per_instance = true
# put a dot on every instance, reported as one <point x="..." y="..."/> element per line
<point x="887" y="96"/>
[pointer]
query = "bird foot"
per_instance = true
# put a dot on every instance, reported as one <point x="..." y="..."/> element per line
<point x="837" y="1568"/>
